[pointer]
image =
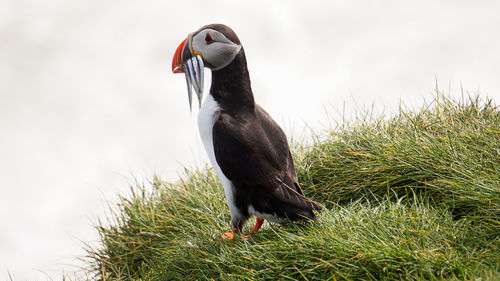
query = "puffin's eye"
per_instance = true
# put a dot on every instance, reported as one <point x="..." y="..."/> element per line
<point x="208" y="38"/>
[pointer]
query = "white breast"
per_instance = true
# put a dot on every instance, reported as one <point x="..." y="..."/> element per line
<point x="206" y="119"/>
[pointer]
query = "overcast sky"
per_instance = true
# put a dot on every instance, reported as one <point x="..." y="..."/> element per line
<point x="88" y="101"/>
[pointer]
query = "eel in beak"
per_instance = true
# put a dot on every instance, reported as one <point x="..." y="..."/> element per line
<point x="191" y="64"/>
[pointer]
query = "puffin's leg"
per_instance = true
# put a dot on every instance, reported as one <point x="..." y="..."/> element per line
<point x="256" y="228"/>
<point x="237" y="227"/>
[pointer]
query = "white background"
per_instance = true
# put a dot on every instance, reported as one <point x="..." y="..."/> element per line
<point x="88" y="102"/>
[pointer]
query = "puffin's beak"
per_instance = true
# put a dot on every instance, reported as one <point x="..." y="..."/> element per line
<point x="177" y="61"/>
<point x="192" y="67"/>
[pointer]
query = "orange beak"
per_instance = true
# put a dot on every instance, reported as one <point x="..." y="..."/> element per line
<point x="177" y="60"/>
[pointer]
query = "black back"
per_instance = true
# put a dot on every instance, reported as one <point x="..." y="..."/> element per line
<point x="252" y="150"/>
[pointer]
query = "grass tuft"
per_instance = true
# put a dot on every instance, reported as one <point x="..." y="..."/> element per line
<point x="414" y="197"/>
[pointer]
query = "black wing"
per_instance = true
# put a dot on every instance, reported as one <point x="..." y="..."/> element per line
<point x="252" y="152"/>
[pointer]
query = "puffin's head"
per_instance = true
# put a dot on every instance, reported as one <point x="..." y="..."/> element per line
<point x="214" y="46"/>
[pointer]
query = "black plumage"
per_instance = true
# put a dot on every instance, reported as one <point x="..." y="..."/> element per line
<point x="252" y="150"/>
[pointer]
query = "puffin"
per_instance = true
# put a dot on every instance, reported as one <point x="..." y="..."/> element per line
<point x="248" y="150"/>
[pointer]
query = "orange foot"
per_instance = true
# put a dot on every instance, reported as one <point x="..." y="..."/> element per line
<point x="246" y="237"/>
<point x="228" y="235"/>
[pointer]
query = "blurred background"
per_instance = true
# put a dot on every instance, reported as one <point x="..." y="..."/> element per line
<point x="88" y="102"/>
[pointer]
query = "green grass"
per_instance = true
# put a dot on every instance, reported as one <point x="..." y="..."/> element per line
<point x="414" y="197"/>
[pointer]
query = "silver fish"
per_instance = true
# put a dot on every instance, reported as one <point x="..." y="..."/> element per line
<point x="194" y="72"/>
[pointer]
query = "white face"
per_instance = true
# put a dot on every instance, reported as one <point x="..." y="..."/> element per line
<point x="217" y="51"/>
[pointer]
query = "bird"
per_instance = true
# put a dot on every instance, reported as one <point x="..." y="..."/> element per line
<point x="248" y="150"/>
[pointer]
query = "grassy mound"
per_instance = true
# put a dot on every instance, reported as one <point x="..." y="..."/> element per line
<point x="414" y="197"/>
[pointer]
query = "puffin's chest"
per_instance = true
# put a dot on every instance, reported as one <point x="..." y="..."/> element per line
<point x="206" y="120"/>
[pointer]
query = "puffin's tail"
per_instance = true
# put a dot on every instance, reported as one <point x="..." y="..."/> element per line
<point x="295" y="214"/>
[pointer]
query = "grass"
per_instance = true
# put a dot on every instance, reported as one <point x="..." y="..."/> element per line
<point x="414" y="197"/>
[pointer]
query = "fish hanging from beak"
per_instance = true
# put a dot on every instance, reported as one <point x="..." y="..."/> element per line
<point x="194" y="72"/>
<point x="193" y="69"/>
